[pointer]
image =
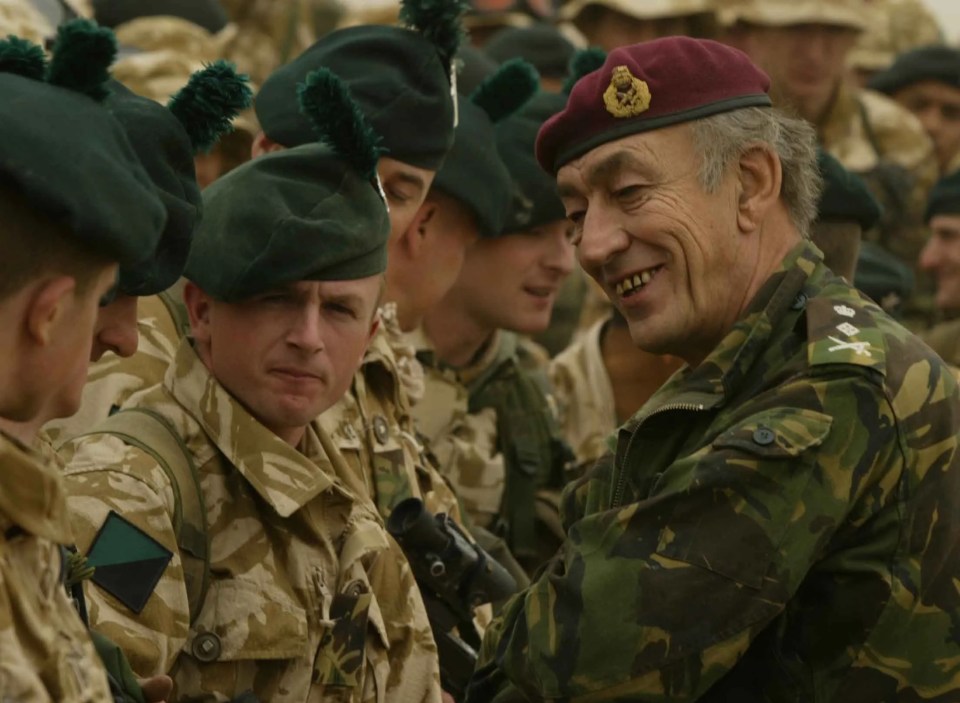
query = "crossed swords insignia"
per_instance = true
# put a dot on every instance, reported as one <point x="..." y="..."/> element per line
<point x="859" y="348"/>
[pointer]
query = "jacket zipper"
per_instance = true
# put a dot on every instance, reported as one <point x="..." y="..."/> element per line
<point x="622" y="476"/>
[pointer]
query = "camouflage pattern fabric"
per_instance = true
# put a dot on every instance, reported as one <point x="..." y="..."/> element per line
<point x="779" y="524"/>
<point x="373" y="427"/>
<point x="112" y="380"/>
<point x="882" y="142"/>
<point x="21" y="19"/>
<point x="584" y="395"/>
<point x="894" y="27"/>
<point x="945" y="340"/>
<point x="308" y="598"/>
<point x="45" y="652"/>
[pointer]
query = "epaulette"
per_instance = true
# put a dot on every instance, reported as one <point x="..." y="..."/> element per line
<point x="844" y="332"/>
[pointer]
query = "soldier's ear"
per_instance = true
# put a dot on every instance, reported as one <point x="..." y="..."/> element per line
<point x="760" y="179"/>
<point x="262" y="144"/>
<point x="413" y="239"/>
<point x="198" y="306"/>
<point x="47" y="305"/>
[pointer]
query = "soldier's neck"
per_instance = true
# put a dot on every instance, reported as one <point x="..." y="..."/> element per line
<point x="26" y="432"/>
<point x="456" y="337"/>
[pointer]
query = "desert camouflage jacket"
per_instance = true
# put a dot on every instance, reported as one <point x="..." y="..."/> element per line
<point x="308" y="597"/>
<point x="45" y="652"/>
<point x="373" y="427"/>
<point x="874" y="137"/>
<point x="584" y="395"/>
<point x="778" y="524"/>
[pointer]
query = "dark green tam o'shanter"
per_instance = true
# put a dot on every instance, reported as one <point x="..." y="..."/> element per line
<point x="166" y="140"/>
<point x="474" y="174"/>
<point x="65" y="155"/>
<point x="399" y="76"/>
<point x="944" y="197"/>
<point x="845" y="195"/>
<point x="314" y="212"/>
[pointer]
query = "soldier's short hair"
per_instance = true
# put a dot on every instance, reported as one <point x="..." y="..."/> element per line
<point x="722" y="139"/>
<point x="34" y="244"/>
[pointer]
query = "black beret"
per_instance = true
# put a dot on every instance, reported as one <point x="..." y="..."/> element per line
<point x="944" y="197"/>
<point x="540" y="44"/>
<point x="208" y="14"/>
<point x="535" y="199"/>
<point x="883" y="277"/>
<point x="294" y="215"/>
<point x="71" y="160"/>
<point x="166" y="153"/>
<point x="845" y="196"/>
<point x="396" y="76"/>
<point x="929" y="63"/>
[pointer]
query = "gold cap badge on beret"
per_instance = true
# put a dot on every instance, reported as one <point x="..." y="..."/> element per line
<point x="627" y="95"/>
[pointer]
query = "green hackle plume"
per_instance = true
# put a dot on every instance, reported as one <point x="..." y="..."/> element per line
<point x="581" y="63"/>
<point x="439" y="21"/>
<point x="82" y="55"/>
<point x="507" y="90"/>
<point x="208" y="103"/>
<point x="339" y="122"/>
<point x="22" y="58"/>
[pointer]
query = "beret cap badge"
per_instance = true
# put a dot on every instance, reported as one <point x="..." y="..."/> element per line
<point x="627" y="95"/>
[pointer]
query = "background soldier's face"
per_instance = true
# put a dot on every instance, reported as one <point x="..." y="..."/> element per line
<point x="290" y="353"/>
<point x="669" y="255"/>
<point x="941" y="257"/>
<point x="937" y="106"/>
<point x="805" y="62"/>
<point x="512" y="282"/>
<point x="406" y="187"/>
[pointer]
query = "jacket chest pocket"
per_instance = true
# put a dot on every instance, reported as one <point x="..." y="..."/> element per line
<point x="351" y="659"/>
<point x="736" y="499"/>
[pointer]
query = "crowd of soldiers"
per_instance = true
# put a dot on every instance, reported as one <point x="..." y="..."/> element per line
<point x="504" y="350"/>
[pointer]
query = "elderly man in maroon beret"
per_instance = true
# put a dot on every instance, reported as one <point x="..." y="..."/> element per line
<point x="781" y="520"/>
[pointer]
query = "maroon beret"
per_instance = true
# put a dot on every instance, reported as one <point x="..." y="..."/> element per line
<point x="648" y="86"/>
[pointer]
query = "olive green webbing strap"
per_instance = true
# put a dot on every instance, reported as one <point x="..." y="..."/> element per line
<point x="152" y="433"/>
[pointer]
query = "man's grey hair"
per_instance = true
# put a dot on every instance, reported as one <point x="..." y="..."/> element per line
<point x="724" y="138"/>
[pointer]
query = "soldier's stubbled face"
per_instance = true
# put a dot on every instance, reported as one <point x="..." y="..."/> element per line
<point x="528" y="267"/>
<point x="290" y="353"/>
<point x="680" y="264"/>
<point x="941" y="257"/>
<point x="406" y="188"/>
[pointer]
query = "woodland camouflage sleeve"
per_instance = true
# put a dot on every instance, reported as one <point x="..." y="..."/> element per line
<point x="656" y="600"/>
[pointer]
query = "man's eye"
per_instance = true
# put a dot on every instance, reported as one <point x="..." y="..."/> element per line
<point x="397" y="196"/>
<point x="340" y="309"/>
<point x="110" y="295"/>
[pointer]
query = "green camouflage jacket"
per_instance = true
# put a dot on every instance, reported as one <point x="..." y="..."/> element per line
<point x="781" y="523"/>
<point x="308" y="596"/>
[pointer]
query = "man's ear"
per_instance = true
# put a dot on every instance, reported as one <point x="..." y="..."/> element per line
<point x="262" y="144"/>
<point x="414" y="237"/>
<point x="199" y="306"/>
<point x="47" y="307"/>
<point x="761" y="179"/>
<point x="374" y="326"/>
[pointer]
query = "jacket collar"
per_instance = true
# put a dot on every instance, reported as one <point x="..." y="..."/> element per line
<point x="32" y="495"/>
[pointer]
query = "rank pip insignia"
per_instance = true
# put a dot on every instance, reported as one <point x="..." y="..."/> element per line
<point x="627" y="95"/>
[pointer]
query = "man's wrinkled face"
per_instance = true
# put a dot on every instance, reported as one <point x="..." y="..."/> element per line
<point x="937" y="106"/>
<point x="805" y="62"/>
<point x="668" y="254"/>
<point x="287" y="354"/>
<point x="406" y="188"/>
<point x="512" y="281"/>
<point x="941" y="257"/>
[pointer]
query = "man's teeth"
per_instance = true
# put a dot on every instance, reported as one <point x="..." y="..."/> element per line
<point x="638" y="281"/>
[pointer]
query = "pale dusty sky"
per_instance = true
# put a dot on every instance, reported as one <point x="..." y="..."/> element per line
<point x="949" y="13"/>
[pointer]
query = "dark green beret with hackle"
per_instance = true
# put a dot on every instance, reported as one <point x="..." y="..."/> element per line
<point x="166" y="138"/>
<point x="473" y="173"/>
<point x="928" y="63"/>
<point x="65" y="154"/>
<point x="399" y="76"/>
<point x="845" y="196"/>
<point x="314" y="212"/>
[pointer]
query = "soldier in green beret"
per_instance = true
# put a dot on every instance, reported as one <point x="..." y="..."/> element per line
<point x="802" y="464"/>
<point x="76" y="204"/>
<point x="926" y="82"/>
<point x="543" y="45"/>
<point x="265" y="575"/>
<point x="486" y="385"/>
<point x="941" y="258"/>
